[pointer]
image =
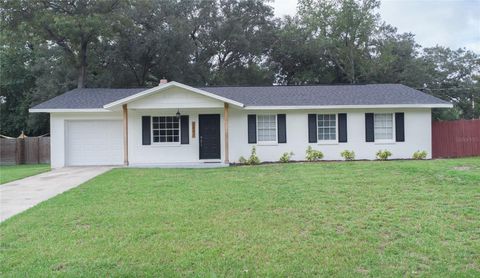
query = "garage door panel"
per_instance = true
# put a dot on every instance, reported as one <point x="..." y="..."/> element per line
<point x="94" y="143"/>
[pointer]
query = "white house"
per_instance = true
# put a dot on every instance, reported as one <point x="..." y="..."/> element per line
<point x="177" y="124"/>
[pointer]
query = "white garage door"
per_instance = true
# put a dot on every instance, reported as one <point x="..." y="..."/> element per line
<point x="94" y="143"/>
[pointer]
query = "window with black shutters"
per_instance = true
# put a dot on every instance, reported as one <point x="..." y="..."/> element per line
<point x="327" y="127"/>
<point x="165" y="129"/>
<point x="383" y="127"/>
<point x="267" y="128"/>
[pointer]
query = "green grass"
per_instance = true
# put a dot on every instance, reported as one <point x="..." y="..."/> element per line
<point x="383" y="219"/>
<point x="14" y="172"/>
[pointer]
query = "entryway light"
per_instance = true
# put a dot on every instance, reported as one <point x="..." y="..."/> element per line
<point x="178" y="114"/>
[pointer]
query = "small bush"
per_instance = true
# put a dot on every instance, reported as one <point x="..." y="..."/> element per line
<point x="286" y="157"/>
<point x="418" y="155"/>
<point x="348" y="155"/>
<point x="313" y="155"/>
<point x="383" y="155"/>
<point x="253" y="159"/>
<point x="242" y="160"/>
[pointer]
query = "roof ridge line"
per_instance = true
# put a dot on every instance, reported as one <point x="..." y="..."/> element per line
<point x="248" y="86"/>
<point x="299" y="85"/>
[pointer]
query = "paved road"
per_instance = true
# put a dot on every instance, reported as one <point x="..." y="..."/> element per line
<point x="20" y="195"/>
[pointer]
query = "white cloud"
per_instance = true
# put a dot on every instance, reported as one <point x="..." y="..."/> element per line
<point x="452" y="23"/>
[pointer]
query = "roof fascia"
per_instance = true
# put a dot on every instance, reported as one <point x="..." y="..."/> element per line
<point x="303" y="107"/>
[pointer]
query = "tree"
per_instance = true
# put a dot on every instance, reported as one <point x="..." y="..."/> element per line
<point x="232" y="36"/>
<point x="29" y="75"/>
<point x="73" y="25"/>
<point x="16" y="84"/>
<point x="153" y="44"/>
<point x="298" y="60"/>
<point x="453" y="75"/>
<point x="345" y="30"/>
<point x="48" y="47"/>
<point x="395" y="59"/>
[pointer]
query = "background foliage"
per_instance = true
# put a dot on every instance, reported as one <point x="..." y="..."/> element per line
<point x="50" y="46"/>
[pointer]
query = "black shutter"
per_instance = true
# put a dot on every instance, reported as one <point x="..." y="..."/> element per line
<point x="312" y="128"/>
<point x="252" y="129"/>
<point x="400" y="127"/>
<point x="282" y="128"/>
<point x="146" y="140"/>
<point x="184" y="130"/>
<point x="342" y="127"/>
<point x="369" y="128"/>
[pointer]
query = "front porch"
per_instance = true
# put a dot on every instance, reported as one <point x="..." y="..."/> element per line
<point x="176" y="134"/>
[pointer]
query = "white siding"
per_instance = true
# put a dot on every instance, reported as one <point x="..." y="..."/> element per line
<point x="58" y="122"/>
<point x="175" y="98"/>
<point x="167" y="103"/>
<point x="159" y="153"/>
<point x="417" y="135"/>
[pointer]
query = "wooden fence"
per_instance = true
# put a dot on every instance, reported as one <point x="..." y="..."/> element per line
<point x="30" y="150"/>
<point x="456" y="138"/>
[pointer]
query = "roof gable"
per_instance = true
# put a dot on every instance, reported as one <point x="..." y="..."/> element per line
<point x="164" y="87"/>
<point x="175" y="98"/>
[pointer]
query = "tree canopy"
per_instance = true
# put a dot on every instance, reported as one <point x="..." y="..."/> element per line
<point x="50" y="46"/>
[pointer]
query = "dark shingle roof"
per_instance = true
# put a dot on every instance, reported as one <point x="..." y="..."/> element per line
<point x="325" y="95"/>
<point x="87" y="98"/>
<point x="374" y="94"/>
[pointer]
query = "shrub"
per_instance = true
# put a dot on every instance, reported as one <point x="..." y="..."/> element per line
<point x="313" y="155"/>
<point x="242" y="160"/>
<point x="383" y="155"/>
<point x="253" y="159"/>
<point x="286" y="157"/>
<point x="348" y="155"/>
<point x="418" y="155"/>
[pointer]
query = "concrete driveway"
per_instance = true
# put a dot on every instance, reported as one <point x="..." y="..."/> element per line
<point x="20" y="195"/>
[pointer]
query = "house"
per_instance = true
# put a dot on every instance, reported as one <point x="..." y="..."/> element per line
<point x="178" y="124"/>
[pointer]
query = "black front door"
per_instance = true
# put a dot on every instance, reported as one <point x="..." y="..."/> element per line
<point x="209" y="136"/>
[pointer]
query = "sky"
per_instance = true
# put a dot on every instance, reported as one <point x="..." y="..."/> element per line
<point x="452" y="23"/>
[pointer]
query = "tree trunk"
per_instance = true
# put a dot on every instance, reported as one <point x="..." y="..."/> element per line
<point x="82" y="69"/>
<point x="352" y="64"/>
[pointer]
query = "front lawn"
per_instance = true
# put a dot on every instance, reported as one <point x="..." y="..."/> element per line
<point x="14" y="172"/>
<point x="399" y="218"/>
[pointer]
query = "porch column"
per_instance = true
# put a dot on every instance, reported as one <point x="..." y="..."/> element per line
<point x="125" y="135"/>
<point x="225" y="130"/>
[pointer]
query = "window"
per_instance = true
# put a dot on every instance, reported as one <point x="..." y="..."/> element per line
<point x="165" y="129"/>
<point x="383" y="124"/>
<point x="327" y="127"/>
<point x="267" y="128"/>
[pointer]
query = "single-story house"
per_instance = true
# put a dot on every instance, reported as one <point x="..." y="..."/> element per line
<point x="178" y="124"/>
